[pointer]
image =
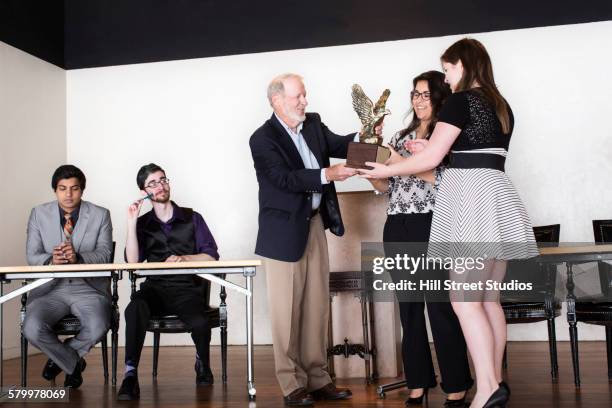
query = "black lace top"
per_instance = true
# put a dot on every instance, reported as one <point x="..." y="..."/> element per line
<point x="475" y="116"/>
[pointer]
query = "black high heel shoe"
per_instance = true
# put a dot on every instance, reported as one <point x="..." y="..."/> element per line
<point x="498" y="399"/>
<point x="458" y="403"/>
<point x="504" y="385"/>
<point x="418" y="400"/>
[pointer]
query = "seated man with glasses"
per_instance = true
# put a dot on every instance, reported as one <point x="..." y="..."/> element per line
<point x="167" y="233"/>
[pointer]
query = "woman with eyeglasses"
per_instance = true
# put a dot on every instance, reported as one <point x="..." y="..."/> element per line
<point x="479" y="214"/>
<point x="409" y="216"/>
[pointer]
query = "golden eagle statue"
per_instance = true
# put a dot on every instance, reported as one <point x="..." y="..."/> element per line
<point x="370" y="115"/>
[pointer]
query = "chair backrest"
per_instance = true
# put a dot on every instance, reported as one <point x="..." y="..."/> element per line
<point x="602" y="231"/>
<point x="547" y="235"/>
<point x="205" y="286"/>
<point x="530" y="271"/>
<point x="112" y="257"/>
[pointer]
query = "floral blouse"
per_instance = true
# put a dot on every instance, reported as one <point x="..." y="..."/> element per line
<point x="410" y="194"/>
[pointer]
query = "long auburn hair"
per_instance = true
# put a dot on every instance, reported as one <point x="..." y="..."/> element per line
<point x="438" y="90"/>
<point x="477" y="67"/>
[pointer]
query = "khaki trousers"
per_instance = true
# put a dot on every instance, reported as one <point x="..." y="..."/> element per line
<point x="298" y="298"/>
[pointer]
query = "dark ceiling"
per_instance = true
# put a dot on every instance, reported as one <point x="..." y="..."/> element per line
<point x="91" y="33"/>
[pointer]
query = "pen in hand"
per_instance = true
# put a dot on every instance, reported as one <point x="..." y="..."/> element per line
<point x="148" y="196"/>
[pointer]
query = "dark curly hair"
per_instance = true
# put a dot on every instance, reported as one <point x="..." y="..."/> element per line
<point x="145" y="171"/>
<point x="438" y="90"/>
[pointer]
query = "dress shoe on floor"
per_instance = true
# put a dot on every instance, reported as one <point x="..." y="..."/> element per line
<point x="330" y="392"/>
<point x="51" y="370"/>
<point x="299" y="398"/>
<point x="130" y="389"/>
<point x="75" y="379"/>
<point x="418" y="400"/>
<point x="458" y="403"/>
<point x="204" y="375"/>
<point x="498" y="399"/>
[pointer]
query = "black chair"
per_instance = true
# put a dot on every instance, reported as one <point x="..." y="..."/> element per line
<point x="70" y="325"/>
<point x="217" y="317"/>
<point x="528" y="308"/>
<point x="598" y="310"/>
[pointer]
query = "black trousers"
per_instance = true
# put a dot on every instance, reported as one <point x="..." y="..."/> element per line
<point x="155" y="298"/>
<point x="448" y="339"/>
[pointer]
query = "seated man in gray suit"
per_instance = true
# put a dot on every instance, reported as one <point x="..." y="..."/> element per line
<point x="68" y="231"/>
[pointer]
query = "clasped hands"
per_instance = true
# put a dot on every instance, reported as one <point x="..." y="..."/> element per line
<point x="176" y="258"/>
<point x="64" y="253"/>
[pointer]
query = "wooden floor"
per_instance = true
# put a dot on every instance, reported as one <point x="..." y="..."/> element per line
<point x="528" y="375"/>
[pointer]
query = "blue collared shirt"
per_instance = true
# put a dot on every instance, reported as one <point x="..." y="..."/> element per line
<point x="310" y="161"/>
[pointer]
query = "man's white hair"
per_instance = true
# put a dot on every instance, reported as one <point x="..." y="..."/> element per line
<point x="276" y="86"/>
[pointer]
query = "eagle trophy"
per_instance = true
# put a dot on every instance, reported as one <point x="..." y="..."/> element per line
<point x="370" y="115"/>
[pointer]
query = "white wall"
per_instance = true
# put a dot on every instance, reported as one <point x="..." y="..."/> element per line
<point x="33" y="144"/>
<point x="194" y="118"/>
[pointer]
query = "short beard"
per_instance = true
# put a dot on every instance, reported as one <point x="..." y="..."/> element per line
<point x="161" y="201"/>
<point x="297" y="117"/>
<point x="294" y="116"/>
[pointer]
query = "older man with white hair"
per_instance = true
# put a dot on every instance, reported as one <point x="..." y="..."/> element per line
<point x="297" y="202"/>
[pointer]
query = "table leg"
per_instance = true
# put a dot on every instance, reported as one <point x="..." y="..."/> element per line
<point x="223" y="328"/>
<point x="2" y="392"/>
<point x="1" y="335"/>
<point x="381" y="390"/>
<point x="115" y="328"/>
<point x="23" y="340"/>
<point x="571" y="319"/>
<point x="249" y="307"/>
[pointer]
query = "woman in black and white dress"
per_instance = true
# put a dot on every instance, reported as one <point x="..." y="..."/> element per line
<point x="478" y="212"/>
<point x="408" y="225"/>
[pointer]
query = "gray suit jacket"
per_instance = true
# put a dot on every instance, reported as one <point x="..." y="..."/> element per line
<point x="92" y="239"/>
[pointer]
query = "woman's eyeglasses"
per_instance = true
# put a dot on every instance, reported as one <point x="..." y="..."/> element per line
<point x="416" y="94"/>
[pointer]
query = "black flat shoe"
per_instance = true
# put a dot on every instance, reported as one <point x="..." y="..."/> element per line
<point x="418" y="400"/>
<point x="204" y="375"/>
<point x="51" y="370"/>
<point x="498" y="399"/>
<point x="75" y="379"/>
<point x="130" y="389"/>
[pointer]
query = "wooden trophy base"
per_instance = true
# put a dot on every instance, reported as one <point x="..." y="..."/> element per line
<point x="360" y="153"/>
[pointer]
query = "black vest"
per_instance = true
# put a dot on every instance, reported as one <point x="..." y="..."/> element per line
<point x="180" y="241"/>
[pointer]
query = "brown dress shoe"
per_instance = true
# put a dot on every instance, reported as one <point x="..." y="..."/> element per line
<point x="330" y="392"/>
<point x="299" y="397"/>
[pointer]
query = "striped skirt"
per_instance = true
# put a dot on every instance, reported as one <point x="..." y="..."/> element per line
<point x="478" y="213"/>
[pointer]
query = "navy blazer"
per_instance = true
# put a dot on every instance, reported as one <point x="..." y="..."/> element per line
<point x="286" y="186"/>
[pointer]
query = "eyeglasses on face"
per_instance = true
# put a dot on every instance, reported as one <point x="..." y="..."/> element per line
<point x="155" y="183"/>
<point x="416" y="95"/>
